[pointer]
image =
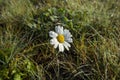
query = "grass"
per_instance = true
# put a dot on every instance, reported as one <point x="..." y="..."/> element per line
<point x="25" y="51"/>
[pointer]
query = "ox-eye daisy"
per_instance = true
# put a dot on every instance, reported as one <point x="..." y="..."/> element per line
<point x="61" y="38"/>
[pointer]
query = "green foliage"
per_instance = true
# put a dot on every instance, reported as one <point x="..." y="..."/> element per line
<point x="25" y="52"/>
<point x="17" y="10"/>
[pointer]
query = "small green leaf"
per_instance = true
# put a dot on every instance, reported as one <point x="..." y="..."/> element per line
<point x="17" y="76"/>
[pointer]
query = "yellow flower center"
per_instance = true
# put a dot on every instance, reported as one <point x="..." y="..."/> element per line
<point x="60" y="38"/>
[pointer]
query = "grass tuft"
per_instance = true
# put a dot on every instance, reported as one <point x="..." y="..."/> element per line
<point x="25" y="50"/>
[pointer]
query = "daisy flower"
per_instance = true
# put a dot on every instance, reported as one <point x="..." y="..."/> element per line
<point x="60" y="38"/>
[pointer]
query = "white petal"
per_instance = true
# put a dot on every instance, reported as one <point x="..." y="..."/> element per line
<point x="69" y="40"/>
<point x="59" y="29"/>
<point x="67" y="33"/>
<point x="61" y="47"/>
<point x="53" y="34"/>
<point x="67" y="44"/>
<point x="66" y="47"/>
<point x="54" y="42"/>
<point x="56" y="45"/>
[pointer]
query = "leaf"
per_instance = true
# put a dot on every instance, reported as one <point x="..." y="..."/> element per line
<point x="17" y="76"/>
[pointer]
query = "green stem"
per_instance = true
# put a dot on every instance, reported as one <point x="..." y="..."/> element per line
<point x="58" y="66"/>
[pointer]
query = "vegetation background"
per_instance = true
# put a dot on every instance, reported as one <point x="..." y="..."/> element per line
<point x="25" y="51"/>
